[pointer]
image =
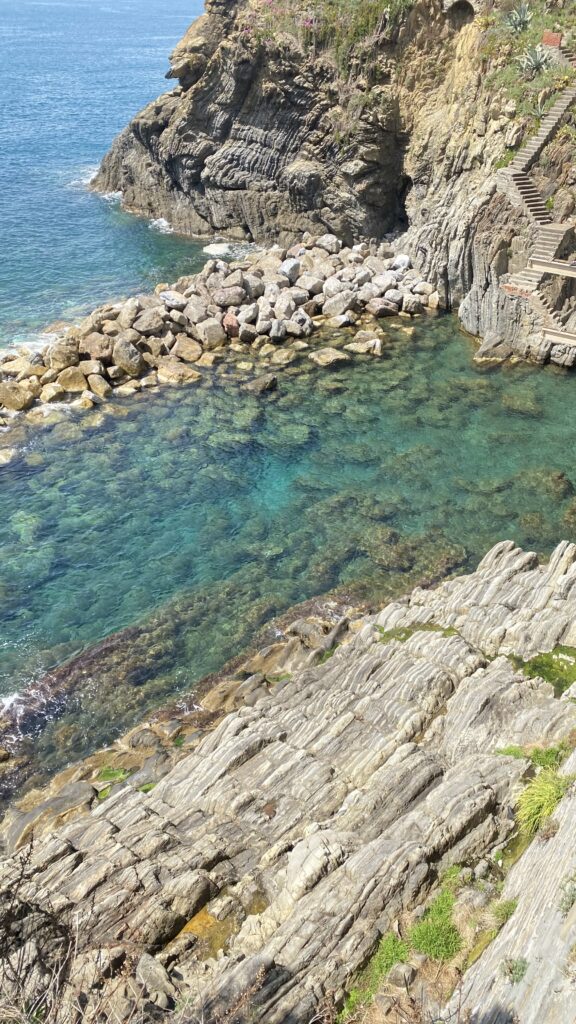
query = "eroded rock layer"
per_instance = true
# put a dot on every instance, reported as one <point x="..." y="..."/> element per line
<point x="271" y="858"/>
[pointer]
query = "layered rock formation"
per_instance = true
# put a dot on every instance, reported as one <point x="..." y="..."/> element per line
<point x="265" y="865"/>
<point x="265" y="138"/>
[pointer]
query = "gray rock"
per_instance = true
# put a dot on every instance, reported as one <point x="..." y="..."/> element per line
<point x="127" y="357"/>
<point x="401" y="262"/>
<point x="211" y="333"/>
<point x="150" y="321"/>
<point x="174" y="300"/>
<point x="225" y="297"/>
<point x="412" y="304"/>
<point x="338" y="304"/>
<point x="291" y="268"/>
<point x="267" y="382"/>
<point x="329" y="243"/>
<point x="277" y="330"/>
<point x="195" y="310"/>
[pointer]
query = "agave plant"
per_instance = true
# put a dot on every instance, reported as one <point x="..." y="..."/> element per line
<point x="519" y="19"/>
<point x="534" y="60"/>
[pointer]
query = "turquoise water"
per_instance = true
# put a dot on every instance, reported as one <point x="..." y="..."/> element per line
<point x="72" y="74"/>
<point x="199" y="513"/>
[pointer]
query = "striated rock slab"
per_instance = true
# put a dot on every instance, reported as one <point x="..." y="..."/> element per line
<point x="273" y="856"/>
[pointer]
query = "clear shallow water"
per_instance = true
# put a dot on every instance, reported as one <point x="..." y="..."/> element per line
<point x="72" y="74"/>
<point x="202" y="512"/>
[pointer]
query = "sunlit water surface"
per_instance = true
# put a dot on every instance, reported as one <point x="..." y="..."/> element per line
<point x="72" y="74"/>
<point x="207" y="510"/>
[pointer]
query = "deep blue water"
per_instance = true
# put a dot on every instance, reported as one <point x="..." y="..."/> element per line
<point x="72" y="74"/>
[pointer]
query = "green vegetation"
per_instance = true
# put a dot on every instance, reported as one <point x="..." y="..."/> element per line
<point x="539" y="799"/>
<point x="512" y="38"/>
<point x="179" y="741"/>
<point x="514" y="970"/>
<point x="326" y="655"/>
<point x="503" y="910"/>
<point x="403" y="633"/>
<point x="391" y="950"/>
<point x="113" y="774"/>
<point x="557" y="667"/>
<point x="104" y="793"/>
<point x="336" y="26"/>
<point x="567" y="894"/>
<point x="541" y="757"/>
<point x="147" y="787"/>
<point x="437" y="935"/>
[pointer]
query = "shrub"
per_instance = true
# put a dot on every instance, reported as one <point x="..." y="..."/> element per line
<point x="519" y="19"/>
<point x="391" y="950"/>
<point x="539" y="799"/>
<point x="437" y="935"/>
<point x="534" y="60"/>
<point x="514" y="970"/>
<point x="503" y="911"/>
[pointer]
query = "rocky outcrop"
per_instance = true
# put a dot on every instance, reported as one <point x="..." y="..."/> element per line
<point x="265" y="865"/>
<point x="265" y="306"/>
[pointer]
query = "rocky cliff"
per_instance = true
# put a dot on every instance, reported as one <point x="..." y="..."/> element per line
<point x="272" y="131"/>
<point x="256" y="878"/>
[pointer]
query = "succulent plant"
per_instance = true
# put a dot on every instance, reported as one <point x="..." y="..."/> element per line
<point x="519" y="19"/>
<point x="534" y="60"/>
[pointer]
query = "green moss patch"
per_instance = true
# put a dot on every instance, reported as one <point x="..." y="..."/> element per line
<point x="113" y="774"/>
<point x="403" y="633"/>
<point x="541" y="757"/>
<point x="437" y="935"/>
<point x="557" y="667"/>
<point x="391" y="950"/>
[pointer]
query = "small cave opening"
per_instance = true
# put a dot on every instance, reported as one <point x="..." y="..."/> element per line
<point x="460" y="14"/>
<point x="404" y="187"/>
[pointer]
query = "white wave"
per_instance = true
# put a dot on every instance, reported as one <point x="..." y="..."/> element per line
<point x="85" y="177"/>
<point x="161" y="225"/>
<point x="111" y="197"/>
<point x="217" y="249"/>
<point x="7" y="702"/>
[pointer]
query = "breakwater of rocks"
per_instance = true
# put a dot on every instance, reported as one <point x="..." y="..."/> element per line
<point x="260" y="311"/>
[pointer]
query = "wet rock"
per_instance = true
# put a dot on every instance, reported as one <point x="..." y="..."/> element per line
<point x="62" y="354"/>
<point x="172" y="371"/>
<point x="52" y="393"/>
<point x="267" y="382"/>
<point x="328" y="357"/>
<point x="187" y="349"/>
<point x="72" y="379"/>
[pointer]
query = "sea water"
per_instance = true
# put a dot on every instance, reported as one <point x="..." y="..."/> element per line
<point x="198" y="513"/>
<point x="72" y="74"/>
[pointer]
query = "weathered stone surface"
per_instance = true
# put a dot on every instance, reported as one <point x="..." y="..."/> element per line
<point x="127" y="357"/>
<point x="15" y="396"/>
<point x="211" y="333"/>
<point x="172" y="371"/>
<point x="187" y="349"/>
<point x="331" y="801"/>
<point x="328" y="357"/>
<point x="150" y="321"/>
<point x="72" y="379"/>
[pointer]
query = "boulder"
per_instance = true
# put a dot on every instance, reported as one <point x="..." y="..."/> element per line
<point x="291" y="268"/>
<point x="172" y="371"/>
<point x="253" y="286"/>
<point x="97" y="346"/>
<point x="340" y="303"/>
<point x="330" y="244"/>
<point x="267" y="382"/>
<point x="333" y="286"/>
<point x="174" y="300"/>
<point x="90" y="366"/>
<point x="231" y="324"/>
<point x="127" y="357"/>
<point x="277" y="330"/>
<point x="225" y="297"/>
<point x="211" y="333"/>
<point x="63" y="353"/>
<point x="98" y="385"/>
<point x="310" y="283"/>
<point x="52" y="393"/>
<point x="411" y="304"/>
<point x="72" y="379"/>
<point x="15" y="396"/>
<point x="285" y="306"/>
<point x="195" y="310"/>
<point x="381" y="307"/>
<point x="150" y="321"/>
<point x="187" y="349"/>
<point x="247" y="333"/>
<point x="401" y="262"/>
<point x="328" y="357"/>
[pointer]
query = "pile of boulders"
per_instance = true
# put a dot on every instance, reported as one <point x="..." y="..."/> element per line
<point x="263" y="307"/>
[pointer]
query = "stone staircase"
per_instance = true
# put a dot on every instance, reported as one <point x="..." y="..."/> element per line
<point x="519" y="186"/>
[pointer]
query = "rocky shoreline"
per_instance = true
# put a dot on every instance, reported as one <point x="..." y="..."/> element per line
<point x="259" y="313"/>
<point x="313" y="804"/>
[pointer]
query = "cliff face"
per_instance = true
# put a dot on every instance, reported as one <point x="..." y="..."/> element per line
<point x="262" y="140"/>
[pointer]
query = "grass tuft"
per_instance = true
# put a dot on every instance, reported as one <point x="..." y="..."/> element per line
<point x="539" y="800"/>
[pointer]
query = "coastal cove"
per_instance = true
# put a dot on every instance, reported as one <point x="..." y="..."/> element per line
<point x="200" y="513"/>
